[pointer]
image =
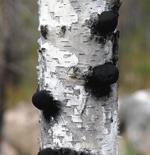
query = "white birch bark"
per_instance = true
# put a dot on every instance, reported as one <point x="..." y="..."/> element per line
<point x="85" y="124"/>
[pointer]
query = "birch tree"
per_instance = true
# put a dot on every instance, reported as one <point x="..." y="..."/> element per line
<point x="77" y="75"/>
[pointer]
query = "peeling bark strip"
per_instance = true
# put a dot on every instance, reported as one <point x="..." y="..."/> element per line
<point x="69" y="52"/>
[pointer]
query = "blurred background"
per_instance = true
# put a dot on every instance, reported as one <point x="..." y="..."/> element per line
<point x="18" y="58"/>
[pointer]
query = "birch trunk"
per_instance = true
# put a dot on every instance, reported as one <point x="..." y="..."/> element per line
<point x="86" y="123"/>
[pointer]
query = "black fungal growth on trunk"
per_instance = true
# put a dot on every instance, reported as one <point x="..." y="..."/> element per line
<point x="45" y="102"/>
<point x="41" y="50"/>
<point x="61" y="151"/>
<point x="99" y="81"/>
<point x="115" y="5"/>
<point x="44" y="31"/>
<point x="103" y="24"/>
<point x="63" y="30"/>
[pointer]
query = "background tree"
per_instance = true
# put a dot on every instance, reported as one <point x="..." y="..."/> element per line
<point x="11" y="53"/>
<point x="77" y="76"/>
<point x="8" y="53"/>
<point x="1" y="98"/>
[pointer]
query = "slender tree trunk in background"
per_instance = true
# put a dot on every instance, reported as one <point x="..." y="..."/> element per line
<point x="70" y="48"/>
<point x="7" y="53"/>
<point x="10" y="30"/>
<point x="2" y="96"/>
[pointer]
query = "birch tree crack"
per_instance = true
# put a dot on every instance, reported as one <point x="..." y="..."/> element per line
<point x="78" y="45"/>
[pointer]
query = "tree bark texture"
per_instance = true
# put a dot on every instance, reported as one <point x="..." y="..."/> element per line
<point x="68" y="50"/>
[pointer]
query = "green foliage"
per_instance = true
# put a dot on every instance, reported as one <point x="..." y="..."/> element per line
<point x="130" y="150"/>
<point x="134" y="55"/>
<point x="28" y="84"/>
<point x="145" y="7"/>
<point x="25" y="47"/>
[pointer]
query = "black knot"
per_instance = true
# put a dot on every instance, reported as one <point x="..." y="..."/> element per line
<point x="44" y="31"/>
<point x="99" y="81"/>
<point x="44" y="101"/>
<point x="62" y="151"/>
<point x="105" y="23"/>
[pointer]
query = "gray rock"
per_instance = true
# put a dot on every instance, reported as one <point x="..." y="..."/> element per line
<point x="134" y="114"/>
